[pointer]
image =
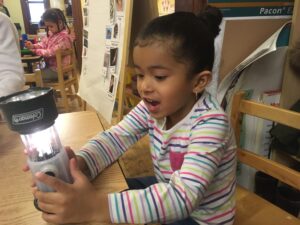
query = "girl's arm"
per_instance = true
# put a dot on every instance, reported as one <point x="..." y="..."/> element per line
<point x="47" y="49"/>
<point x="108" y="146"/>
<point x="177" y="199"/>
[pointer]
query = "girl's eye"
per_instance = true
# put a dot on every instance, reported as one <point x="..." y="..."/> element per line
<point x="160" y="78"/>
<point x="140" y="76"/>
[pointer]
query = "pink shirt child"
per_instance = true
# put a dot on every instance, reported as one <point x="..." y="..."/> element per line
<point x="48" y="46"/>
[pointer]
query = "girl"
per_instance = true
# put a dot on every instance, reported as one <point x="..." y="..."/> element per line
<point x="58" y="37"/>
<point x="192" y="144"/>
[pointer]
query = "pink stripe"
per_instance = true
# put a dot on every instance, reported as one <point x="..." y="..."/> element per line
<point x="120" y="142"/>
<point x="151" y="121"/>
<point x="186" y="198"/>
<point x="195" y="164"/>
<point x="106" y="148"/>
<point x="176" y="138"/>
<point x="221" y="215"/>
<point x="161" y="204"/>
<point x="125" y="129"/>
<point x="211" y="115"/>
<point x="194" y="175"/>
<point x="142" y="203"/>
<point x="173" y="202"/>
<point x="204" y="153"/>
<point x="130" y="208"/>
<point x="111" y="210"/>
<point x="93" y="157"/>
<point x="166" y="172"/>
<point x="219" y="191"/>
<point x="209" y="154"/>
<point x="157" y="130"/>
<point x="208" y="137"/>
<point x="229" y="155"/>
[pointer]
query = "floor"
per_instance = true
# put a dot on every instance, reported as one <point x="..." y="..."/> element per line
<point x="136" y="161"/>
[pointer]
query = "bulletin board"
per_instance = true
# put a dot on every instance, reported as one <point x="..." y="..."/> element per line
<point x="246" y="25"/>
<point x="105" y="43"/>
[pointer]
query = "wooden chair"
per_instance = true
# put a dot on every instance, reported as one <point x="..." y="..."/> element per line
<point x="32" y="72"/>
<point x="35" y="78"/>
<point x="131" y="98"/>
<point x="250" y="208"/>
<point x="66" y="86"/>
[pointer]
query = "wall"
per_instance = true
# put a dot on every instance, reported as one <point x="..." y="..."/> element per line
<point x="15" y="11"/>
<point x="57" y="4"/>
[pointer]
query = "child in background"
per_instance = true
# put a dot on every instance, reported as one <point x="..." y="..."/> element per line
<point x="192" y="144"/>
<point x="58" y="37"/>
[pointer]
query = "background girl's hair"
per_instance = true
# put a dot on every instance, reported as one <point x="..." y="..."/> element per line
<point x="213" y="17"/>
<point x="55" y="15"/>
<point x="189" y="37"/>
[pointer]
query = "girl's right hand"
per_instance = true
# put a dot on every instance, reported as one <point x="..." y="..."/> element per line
<point x="28" y="44"/>
<point x="81" y="163"/>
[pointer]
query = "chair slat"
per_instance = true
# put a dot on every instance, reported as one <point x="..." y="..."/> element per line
<point x="269" y="112"/>
<point x="274" y="169"/>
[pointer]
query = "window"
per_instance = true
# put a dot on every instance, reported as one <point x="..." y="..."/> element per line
<point x="36" y="9"/>
<point x="32" y="12"/>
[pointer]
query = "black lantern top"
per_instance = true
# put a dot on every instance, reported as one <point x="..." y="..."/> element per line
<point x="29" y="111"/>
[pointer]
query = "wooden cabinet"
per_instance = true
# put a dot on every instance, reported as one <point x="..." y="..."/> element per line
<point x="291" y="80"/>
<point x="189" y="5"/>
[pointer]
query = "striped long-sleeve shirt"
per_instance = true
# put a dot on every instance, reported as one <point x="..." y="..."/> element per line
<point x="194" y="163"/>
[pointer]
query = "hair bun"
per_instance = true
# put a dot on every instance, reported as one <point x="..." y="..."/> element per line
<point x="212" y="16"/>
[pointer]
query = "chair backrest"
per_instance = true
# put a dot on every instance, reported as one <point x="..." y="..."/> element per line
<point x="68" y="81"/>
<point x="70" y="69"/>
<point x="35" y="77"/>
<point x="290" y="118"/>
<point x="33" y="74"/>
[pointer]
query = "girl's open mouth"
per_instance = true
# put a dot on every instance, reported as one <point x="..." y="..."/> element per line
<point x="152" y="105"/>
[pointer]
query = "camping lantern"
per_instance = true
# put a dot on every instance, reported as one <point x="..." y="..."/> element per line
<point x="32" y="114"/>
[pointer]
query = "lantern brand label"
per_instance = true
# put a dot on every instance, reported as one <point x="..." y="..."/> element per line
<point x="28" y="117"/>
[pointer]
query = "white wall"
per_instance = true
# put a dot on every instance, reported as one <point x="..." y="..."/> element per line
<point x="15" y="10"/>
<point x="57" y="4"/>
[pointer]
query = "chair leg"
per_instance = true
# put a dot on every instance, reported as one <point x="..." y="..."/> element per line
<point x="64" y="98"/>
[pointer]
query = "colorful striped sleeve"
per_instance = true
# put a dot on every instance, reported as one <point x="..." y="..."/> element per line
<point x="108" y="146"/>
<point x="177" y="199"/>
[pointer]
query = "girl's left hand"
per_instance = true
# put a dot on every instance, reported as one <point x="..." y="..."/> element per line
<point x="71" y="203"/>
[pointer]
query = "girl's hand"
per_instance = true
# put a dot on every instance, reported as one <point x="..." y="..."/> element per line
<point x="71" y="155"/>
<point x="28" y="44"/>
<point x="71" y="203"/>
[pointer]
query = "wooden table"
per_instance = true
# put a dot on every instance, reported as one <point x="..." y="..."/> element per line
<point x="16" y="200"/>
<point x="30" y="60"/>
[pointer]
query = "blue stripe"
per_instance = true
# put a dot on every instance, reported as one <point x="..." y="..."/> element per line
<point x="114" y="140"/>
<point x="134" y="121"/>
<point x="182" y="199"/>
<point x="209" y="159"/>
<point x="199" y="161"/>
<point x="118" y="213"/>
<point x="123" y="208"/>
<point x="154" y="202"/>
<point x="222" y="196"/>
<point x="103" y="151"/>
<point x="175" y="145"/>
<point x="92" y="161"/>
<point x="196" y="181"/>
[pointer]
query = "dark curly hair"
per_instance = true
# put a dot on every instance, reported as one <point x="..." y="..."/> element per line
<point x="190" y="37"/>
<point x="55" y="15"/>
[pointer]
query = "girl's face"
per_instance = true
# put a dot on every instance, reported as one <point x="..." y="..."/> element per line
<point x="162" y="83"/>
<point x="53" y="26"/>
